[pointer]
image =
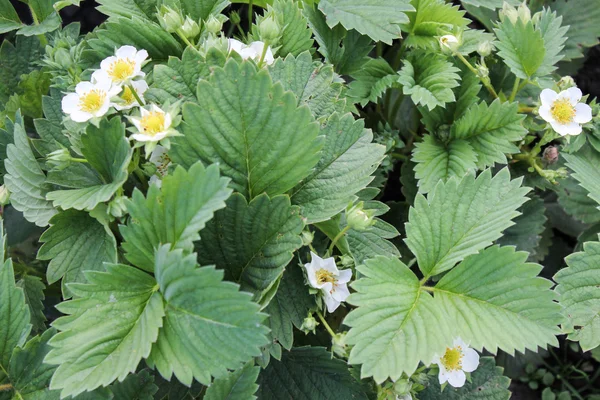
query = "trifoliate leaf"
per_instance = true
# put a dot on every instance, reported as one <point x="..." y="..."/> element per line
<point x="26" y="181"/>
<point x="295" y="36"/>
<point x="110" y="326"/>
<point x="584" y="165"/>
<point x="252" y="128"/>
<point x="144" y="9"/>
<point x="579" y="289"/>
<point x="108" y="138"/>
<point x="575" y="200"/>
<point x="521" y="47"/>
<point x="308" y="373"/>
<point x="347" y="161"/>
<point x="396" y="324"/>
<point x="173" y="213"/>
<point x="313" y="83"/>
<point x="253" y="241"/>
<point x="429" y="20"/>
<point x="75" y="243"/>
<point x="580" y="16"/>
<point x="497" y="287"/>
<point x="16" y="60"/>
<point x="487" y="382"/>
<point x="491" y="131"/>
<point x="372" y="81"/>
<point x="554" y="35"/>
<point x="429" y="78"/>
<point x="437" y="161"/>
<point x="33" y="289"/>
<point x="239" y="384"/>
<point x="138" y="386"/>
<point x="462" y="217"/>
<point x="224" y="322"/>
<point x="378" y="19"/>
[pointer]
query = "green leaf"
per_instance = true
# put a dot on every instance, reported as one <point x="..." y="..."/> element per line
<point x="238" y="384"/>
<point x="173" y="213"/>
<point x="372" y="81"/>
<point x="491" y="131"/>
<point x="295" y="37"/>
<point x="31" y="89"/>
<point x="460" y="218"/>
<point x="224" y="322"/>
<point x="138" y="386"/>
<point x="9" y="19"/>
<point x="521" y="46"/>
<point x="49" y="24"/>
<point x="396" y="324"/>
<point x="201" y="9"/>
<point x="33" y="289"/>
<point x="576" y="201"/>
<point x="50" y="128"/>
<point x="371" y="243"/>
<point x="437" y="161"/>
<point x="108" y="138"/>
<point x="553" y="32"/>
<point x="252" y="128"/>
<point x="378" y="19"/>
<point x="110" y="326"/>
<point x="430" y="18"/>
<point x="487" y="382"/>
<point x="580" y="16"/>
<point x="308" y="373"/>
<point x="143" y="9"/>
<point x="579" y="289"/>
<point x="429" y="78"/>
<point x="347" y="161"/>
<point x="41" y="8"/>
<point x="75" y="243"/>
<point x="584" y="165"/>
<point x="15" y="61"/>
<point x="491" y="4"/>
<point x="26" y="181"/>
<point x="252" y="242"/>
<point x="497" y="287"/>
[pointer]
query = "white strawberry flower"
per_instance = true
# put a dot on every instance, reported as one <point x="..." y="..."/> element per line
<point x="563" y="110"/>
<point x="252" y="51"/>
<point x="91" y="99"/>
<point x="161" y="160"/>
<point x="455" y="362"/>
<point x="323" y="274"/>
<point x="125" y="65"/>
<point x="127" y="100"/>
<point x="153" y="125"/>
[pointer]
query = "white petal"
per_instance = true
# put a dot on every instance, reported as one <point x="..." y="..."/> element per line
<point x="572" y="128"/>
<point x="140" y="86"/>
<point x="583" y="113"/>
<point x="470" y="360"/>
<point x="99" y="76"/>
<point x="345" y="276"/>
<point x="102" y="110"/>
<point x="105" y="64"/>
<point x="140" y="57"/>
<point x="157" y="153"/>
<point x="168" y="121"/>
<point x="459" y="342"/>
<point x="70" y="103"/>
<point x="341" y="292"/>
<point x="248" y="53"/>
<point x="155" y="180"/>
<point x="160" y="135"/>
<point x="457" y="378"/>
<point x="156" y="108"/>
<point x="126" y="52"/>
<point x="545" y="113"/>
<point x="573" y="94"/>
<point x="80" y="116"/>
<point x="311" y="273"/>
<point x="137" y="123"/>
<point x="235" y="45"/>
<point x="547" y="97"/>
<point x="331" y="303"/>
<point x="140" y="137"/>
<point x="114" y="91"/>
<point x="329" y="265"/>
<point x="443" y="376"/>
<point x="83" y="87"/>
<point x="269" y="59"/>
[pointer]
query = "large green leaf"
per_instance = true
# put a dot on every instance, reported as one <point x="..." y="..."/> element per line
<point x="579" y="289"/>
<point x="26" y="181"/>
<point x="173" y="213"/>
<point x="224" y="322"/>
<point x="9" y="19"/>
<point x="238" y="384"/>
<point x="521" y="47"/>
<point x="110" y="326"/>
<point x="16" y="60"/>
<point x="462" y="217"/>
<point x="580" y="16"/>
<point x="526" y="233"/>
<point x="396" y="324"/>
<point x="554" y="35"/>
<point x="75" y="243"/>
<point x="50" y="127"/>
<point x="575" y="200"/>
<point x="144" y="9"/>
<point x="253" y="241"/>
<point x="497" y="287"/>
<point x="378" y="19"/>
<point x="295" y="36"/>
<point x="584" y="165"/>
<point x="372" y="81"/>
<point x="138" y="386"/>
<point x="201" y="9"/>
<point x="308" y="373"/>
<point x="33" y="289"/>
<point x="347" y="161"/>
<point x="252" y="128"/>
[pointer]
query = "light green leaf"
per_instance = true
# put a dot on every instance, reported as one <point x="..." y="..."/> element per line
<point x="49" y="24"/>
<point x="521" y="46"/>
<point x="580" y="16"/>
<point x="253" y="241"/>
<point x="584" y="165"/>
<point x="295" y="37"/>
<point x="491" y="4"/>
<point x="224" y="322"/>
<point x="347" y="161"/>
<point x="372" y="81"/>
<point x="138" y="386"/>
<point x="462" y="217"/>
<point x="110" y="326"/>
<point x="252" y="128"/>
<point x="308" y="373"/>
<point x="26" y="181"/>
<point x="579" y="289"/>
<point x="437" y="161"/>
<point x="371" y="243"/>
<point x="31" y="89"/>
<point x="575" y="200"/>
<point x="108" y="138"/>
<point x="497" y="287"/>
<point x="201" y="9"/>
<point x="378" y="19"/>
<point x="143" y="9"/>
<point x="429" y="78"/>
<point x="491" y="131"/>
<point x="75" y="243"/>
<point x="396" y="324"/>
<point x="9" y="19"/>
<point x="41" y="8"/>
<point x="238" y="384"/>
<point x="174" y="213"/>
<point x="33" y="289"/>
<point x="553" y="32"/>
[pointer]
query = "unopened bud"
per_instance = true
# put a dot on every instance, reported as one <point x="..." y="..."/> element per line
<point x="169" y="19"/>
<point x="359" y="219"/>
<point x="4" y="195"/>
<point x="309" y="324"/>
<point x="347" y="261"/>
<point x="213" y="25"/>
<point x="338" y="345"/>
<point x="449" y="43"/>
<point x="550" y="154"/>
<point x="307" y="237"/>
<point x="514" y="14"/>
<point x="59" y="159"/>
<point x="190" y="28"/>
<point x="566" y="82"/>
<point x="269" y="29"/>
<point x="235" y="18"/>
<point x="117" y="207"/>
<point x="485" y="48"/>
<point x="482" y="71"/>
<point x="402" y="387"/>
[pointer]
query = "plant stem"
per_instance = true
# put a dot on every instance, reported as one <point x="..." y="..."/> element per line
<point x="485" y="82"/>
<point x="250" y="14"/>
<point x="263" y="54"/>
<point x="182" y="36"/>
<point x="515" y="89"/>
<point x="79" y="160"/>
<point x="325" y="324"/>
<point x="336" y="238"/>
<point x="135" y="94"/>
<point x="36" y="21"/>
<point x="140" y="175"/>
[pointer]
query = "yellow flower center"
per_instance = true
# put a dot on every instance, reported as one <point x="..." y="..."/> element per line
<point x="127" y="96"/>
<point x="92" y="101"/>
<point x="452" y="359"/>
<point x="153" y="122"/>
<point x="121" y="69"/>
<point x="562" y="111"/>
<point x="324" y="276"/>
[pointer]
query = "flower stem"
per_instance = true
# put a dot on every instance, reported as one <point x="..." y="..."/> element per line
<point x="337" y="237"/>
<point x="515" y="89"/>
<point x="250" y="14"/>
<point x="325" y="324"/>
<point x="36" y="21"/>
<point x="264" y="53"/>
<point x="135" y="94"/>
<point x="485" y="82"/>
<point x="79" y="160"/>
<point x="180" y="33"/>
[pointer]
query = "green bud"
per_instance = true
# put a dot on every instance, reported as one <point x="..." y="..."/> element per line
<point x="449" y="44"/>
<point x="213" y="25"/>
<point x="59" y="159"/>
<point x="347" y="261"/>
<point x="307" y="237"/>
<point x="482" y="71"/>
<point x="169" y="19"/>
<point x="269" y="29"/>
<point x="566" y="82"/>
<point x="359" y="219"/>
<point x="190" y="28"/>
<point x="514" y="14"/>
<point x="117" y="207"/>
<point x="4" y="195"/>
<point x="309" y="324"/>
<point x="485" y="48"/>
<point x="338" y="345"/>
<point x="402" y="386"/>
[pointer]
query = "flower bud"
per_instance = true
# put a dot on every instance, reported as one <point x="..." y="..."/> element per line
<point x="309" y="324"/>
<point x="482" y="71"/>
<point x="566" y="82"/>
<point x="169" y="19"/>
<point x="307" y="237"/>
<point x="359" y="219"/>
<point x="402" y="387"/>
<point x="347" y="261"/>
<point x="524" y="13"/>
<point x="117" y="207"/>
<point x="269" y="29"/>
<point x="485" y="48"/>
<point x="4" y="195"/>
<point x="190" y="28"/>
<point x="513" y="14"/>
<point x="550" y="154"/>
<point x="449" y="43"/>
<point x="338" y="345"/>
<point x="59" y="159"/>
<point x="235" y="18"/>
<point x="213" y="25"/>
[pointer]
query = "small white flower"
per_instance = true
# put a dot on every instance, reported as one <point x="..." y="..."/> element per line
<point x="563" y="110"/>
<point x="324" y="275"/>
<point x="153" y="125"/>
<point x="252" y="51"/>
<point x="455" y="362"/>
<point x="90" y="100"/>
<point x="125" y="65"/>
<point x="450" y="42"/>
<point x="161" y="160"/>
<point x="127" y="99"/>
